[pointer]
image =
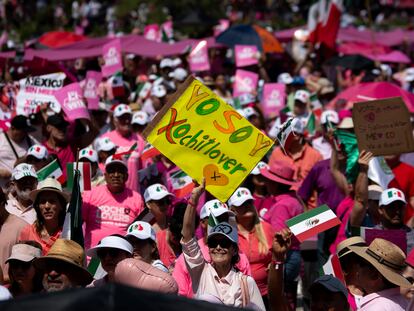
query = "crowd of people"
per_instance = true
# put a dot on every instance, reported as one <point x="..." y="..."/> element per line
<point x="137" y="230"/>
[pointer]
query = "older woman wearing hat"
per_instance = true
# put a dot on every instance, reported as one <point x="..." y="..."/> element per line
<point x="24" y="279"/>
<point x="49" y="202"/>
<point x="279" y="181"/>
<point x="218" y="277"/>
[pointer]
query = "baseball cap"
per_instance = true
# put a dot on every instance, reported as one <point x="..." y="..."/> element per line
<point x="330" y="115"/>
<point x="331" y="283"/>
<point x="156" y="192"/>
<point x="240" y="196"/>
<point x="224" y="228"/>
<point x="21" y="122"/>
<point x="58" y="121"/>
<point x="179" y="74"/>
<point x="141" y="230"/>
<point x="38" y="151"/>
<point x="166" y="62"/>
<point x="111" y="161"/>
<point x="104" y="144"/>
<point x="302" y="96"/>
<point x="140" y="118"/>
<point x="158" y="90"/>
<point x="391" y="195"/>
<point x="285" y="78"/>
<point x="218" y="208"/>
<point x="258" y="167"/>
<point x="374" y="192"/>
<point x="111" y="242"/>
<point x="122" y="109"/>
<point x="24" y="252"/>
<point x="23" y="170"/>
<point x="89" y="153"/>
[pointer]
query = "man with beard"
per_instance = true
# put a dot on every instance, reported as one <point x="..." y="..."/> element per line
<point x="24" y="180"/>
<point x="109" y="209"/>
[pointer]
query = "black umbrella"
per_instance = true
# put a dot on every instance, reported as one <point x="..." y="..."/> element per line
<point x="352" y="61"/>
<point x="107" y="298"/>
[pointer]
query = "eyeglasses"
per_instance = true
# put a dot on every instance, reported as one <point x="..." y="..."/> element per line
<point x="224" y="243"/>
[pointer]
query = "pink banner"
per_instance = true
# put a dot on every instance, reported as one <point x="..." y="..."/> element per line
<point x="90" y="89"/>
<point x="222" y="26"/>
<point x="245" y="82"/>
<point x="273" y="99"/>
<point x="112" y="56"/>
<point x="198" y="58"/>
<point x="246" y="55"/>
<point x="71" y="99"/>
<point x="152" y="32"/>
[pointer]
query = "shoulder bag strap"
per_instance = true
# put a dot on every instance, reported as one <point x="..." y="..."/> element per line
<point x="11" y="145"/>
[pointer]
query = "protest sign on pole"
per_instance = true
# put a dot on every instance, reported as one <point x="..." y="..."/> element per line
<point x="205" y="137"/>
<point x="198" y="58"/>
<point x="71" y="100"/>
<point x="273" y="99"/>
<point x="38" y="90"/>
<point x="244" y="82"/>
<point x="383" y="126"/>
<point x="112" y="55"/>
<point x="246" y="55"/>
<point x="90" y="91"/>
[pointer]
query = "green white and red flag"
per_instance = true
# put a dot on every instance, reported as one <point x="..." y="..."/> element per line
<point x="182" y="184"/>
<point x="52" y="170"/>
<point x="85" y="175"/>
<point x="312" y="222"/>
<point x="149" y="152"/>
<point x="333" y="267"/>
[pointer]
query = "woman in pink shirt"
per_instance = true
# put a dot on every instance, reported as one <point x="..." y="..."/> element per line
<point x="255" y="237"/>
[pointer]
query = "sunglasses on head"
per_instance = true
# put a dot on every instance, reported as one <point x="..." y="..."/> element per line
<point x="223" y="242"/>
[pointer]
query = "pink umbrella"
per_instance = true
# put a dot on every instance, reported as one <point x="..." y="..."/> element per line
<point x="371" y="91"/>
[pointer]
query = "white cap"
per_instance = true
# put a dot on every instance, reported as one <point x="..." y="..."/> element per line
<point x="285" y="78"/>
<point x="302" y="96"/>
<point x="391" y="195"/>
<point x="167" y="62"/>
<point x="224" y="228"/>
<point x="89" y="154"/>
<point x="23" y="170"/>
<point x="179" y="74"/>
<point x="249" y="112"/>
<point x="122" y="109"/>
<point x="258" y="167"/>
<point x="38" y="151"/>
<point x="346" y="123"/>
<point x="141" y="230"/>
<point x="24" y="252"/>
<point x="218" y="208"/>
<point x="110" y="160"/>
<point x="330" y="115"/>
<point x="240" y="196"/>
<point x="140" y="118"/>
<point x="104" y="144"/>
<point x="158" y="90"/>
<point x="156" y="192"/>
<point x="111" y="242"/>
<point x="374" y="192"/>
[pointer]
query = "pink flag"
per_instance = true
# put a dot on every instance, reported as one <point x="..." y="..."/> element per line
<point x="152" y="32"/>
<point x="245" y="82"/>
<point x="222" y="26"/>
<point x="198" y="58"/>
<point x="168" y="29"/>
<point x="71" y="99"/>
<point x="112" y="56"/>
<point x="273" y="98"/>
<point x="246" y="55"/>
<point x="90" y="90"/>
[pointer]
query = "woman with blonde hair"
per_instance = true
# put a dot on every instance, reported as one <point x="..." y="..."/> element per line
<point x="255" y="237"/>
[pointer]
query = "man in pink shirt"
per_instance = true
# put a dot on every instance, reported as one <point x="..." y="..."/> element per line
<point x="109" y="209"/>
<point x="180" y="273"/>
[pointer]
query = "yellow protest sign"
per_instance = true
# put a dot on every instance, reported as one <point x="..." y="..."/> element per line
<point x="206" y="137"/>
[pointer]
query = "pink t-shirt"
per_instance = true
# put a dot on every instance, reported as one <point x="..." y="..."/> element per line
<point x="105" y="213"/>
<point x="167" y="255"/>
<point x="122" y="141"/>
<point x="343" y="211"/>
<point x="183" y="278"/>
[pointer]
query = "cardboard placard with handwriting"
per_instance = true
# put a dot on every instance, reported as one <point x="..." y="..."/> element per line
<point x="206" y="137"/>
<point x="383" y="126"/>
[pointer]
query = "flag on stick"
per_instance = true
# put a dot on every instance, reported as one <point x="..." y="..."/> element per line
<point x="182" y="184"/>
<point x="52" y="170"/>
<point x="85" y="175"/>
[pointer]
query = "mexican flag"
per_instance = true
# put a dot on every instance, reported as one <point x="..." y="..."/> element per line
<point x="350" y="145"/>
<point x="95" y="268"/>
<point x="125" y="154"/>
<point x="85" y="175"/>
<point x="182" y="184"/>
<point x="212" y="222"/>
<point x="117" y="84"/>
<point x="333" y="267"/>
<point x="52" y="170"/>
<point x="315" y="105"/>
<point x="310" y="125"/>
<point x="379" y="172"/>
<point x="149" y="152"/>
<point x="312" y="222"/>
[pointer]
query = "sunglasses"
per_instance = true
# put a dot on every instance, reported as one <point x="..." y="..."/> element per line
<point x="224" y="243"/>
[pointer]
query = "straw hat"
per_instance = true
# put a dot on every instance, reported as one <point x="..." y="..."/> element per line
<point x="342" y="248"/>
<point x="49" y="184"/>
<point x="69" y="252"/>
<point x="387" y="258"/>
